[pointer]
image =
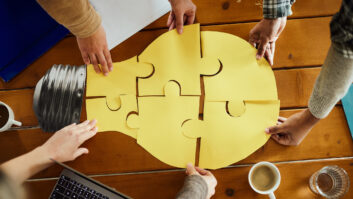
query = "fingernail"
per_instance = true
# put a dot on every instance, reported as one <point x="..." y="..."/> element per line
<point x="258" y="56"/>
<point x="267" y="130"/>
<point x="105" y="74"/>
<point x="111" y="69"/>
<point x="180" y="31"/>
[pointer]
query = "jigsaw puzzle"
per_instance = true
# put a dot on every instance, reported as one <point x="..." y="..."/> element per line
<point x="155" y="98"/>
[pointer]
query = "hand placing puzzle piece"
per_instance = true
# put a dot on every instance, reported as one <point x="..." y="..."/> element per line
<point x="159" y="122"/>
<point x="226" y="139"/>
<point x="242" y="76"/>
<point x="119" y="82"/>
<point x="108" y="120"/>
<point x="177" y="57"/>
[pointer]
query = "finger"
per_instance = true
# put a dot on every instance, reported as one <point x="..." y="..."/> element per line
<point x="190" y="169"/>
<point x="268" y="56"/>
<point x="108" y="58"/>
<point x="190" y="18"/>
<point x="172" y="26"/>
<point x="103" y="63"/>
<point x="252" y="42"/>
<point x="279" y="139"/>
<point x="275" y="129"/>
<point x="94" y="62"/>
<point x="201" y="171"/>
<point x="87" y="127"/>
<point x="80" y="151"/>
<point x="282" y="119"/>
<point x="179" y="16"/>
<point x="85" y="58"/>
<point x="83" y="124"/>
<point x="170" y="19"/>
<point x="88" y="135"/>
<point x="262" y="47"/>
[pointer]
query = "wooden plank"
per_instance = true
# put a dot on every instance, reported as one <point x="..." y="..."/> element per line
<point x="113" y="152"/>
<point x="294" y="89"/>
<point x="232" y="182"/>
<point x="295" y="48"/>
<point x="218" y="12"/>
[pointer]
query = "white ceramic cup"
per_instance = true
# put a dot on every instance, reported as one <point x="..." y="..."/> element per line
<point x="10" y="121"/>
<point x="277" y="179"/>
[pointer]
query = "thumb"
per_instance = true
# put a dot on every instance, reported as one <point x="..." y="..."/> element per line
<point x="80" y="152"/>
<point x="179" y="16"/>
<point x="190" y="169"/>
<point x="275" y="129"/>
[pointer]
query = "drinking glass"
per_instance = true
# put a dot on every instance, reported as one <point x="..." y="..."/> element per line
<point x="330" y="182"/>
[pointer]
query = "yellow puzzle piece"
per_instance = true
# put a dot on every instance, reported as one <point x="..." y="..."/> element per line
<point x="226" y="139"/>
<point x="122" y="80"/>
<point x="242" y="76"/>
<point x="159" y="125"/>
<point x="177" y="57"/>
<point x="108" y="120"/>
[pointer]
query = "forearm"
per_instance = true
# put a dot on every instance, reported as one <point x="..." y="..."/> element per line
<point x="273" y="9"/>
<point x="23" y="167"/>
<point x="76" y="15"/>
<point x="332" y="83"/>
<point x="194" y="188"/>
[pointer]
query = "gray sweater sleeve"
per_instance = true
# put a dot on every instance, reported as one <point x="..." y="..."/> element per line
<point x="194" y="188"/>
<point x="332" y="83"/>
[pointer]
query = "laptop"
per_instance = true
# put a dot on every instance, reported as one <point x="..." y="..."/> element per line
<point x="75" y="185"/>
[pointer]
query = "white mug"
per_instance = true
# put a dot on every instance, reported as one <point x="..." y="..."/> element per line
<point x="10" y="120"/>
<point x="277" y="179"/>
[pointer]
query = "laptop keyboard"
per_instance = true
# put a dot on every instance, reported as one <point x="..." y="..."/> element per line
<point x="68" y="188"/>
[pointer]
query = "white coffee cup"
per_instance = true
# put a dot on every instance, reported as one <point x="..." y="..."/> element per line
<point x="274" y="177"/>
<point x="10" y="120"/>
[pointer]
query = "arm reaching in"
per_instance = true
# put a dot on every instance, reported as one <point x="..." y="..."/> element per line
<point x="199" y="183"/>
<point x="183" y="12"/>
<point x="84" y="22"/>
<point x="331" y="85"/>
<point x="264" y="35"/>
<point x="63" y="146"/>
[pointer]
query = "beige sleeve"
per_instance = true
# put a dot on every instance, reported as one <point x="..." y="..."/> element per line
<point x="194" y="188"/>
<point x="332" y="84"/>
<point x="76" y="15"/>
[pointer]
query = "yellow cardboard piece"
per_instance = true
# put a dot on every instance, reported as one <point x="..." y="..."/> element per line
<point x="226" y="139"/>
<point x="108" y="120"/>
<point x="177" y="57"/>
<point x="160" y="119"/>
<point x="242" y="76"/>
<point x="122" y="80"/>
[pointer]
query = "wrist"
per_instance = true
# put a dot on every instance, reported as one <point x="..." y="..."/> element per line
<point x="43" y="155"/>
<point x="309" y="117"/>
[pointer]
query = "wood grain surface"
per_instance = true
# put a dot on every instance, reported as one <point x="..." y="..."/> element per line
<point x="118" y="161"/>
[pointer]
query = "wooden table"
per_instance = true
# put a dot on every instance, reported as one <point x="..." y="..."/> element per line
<point x="116" y="159"/>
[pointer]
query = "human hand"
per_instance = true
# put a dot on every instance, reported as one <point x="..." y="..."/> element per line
<point x="64" y="144"/>
<point x="206" y="175"/>
<point x="293" y="130"/>
<point x="94" y="50"/>
<point x="264" y="35"/>
<point x="183" y="12"/>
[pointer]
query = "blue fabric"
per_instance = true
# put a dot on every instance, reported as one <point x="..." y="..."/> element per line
<point x="347" y="103"/>
<point x="27" y="32"/>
